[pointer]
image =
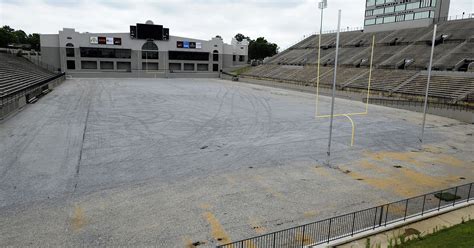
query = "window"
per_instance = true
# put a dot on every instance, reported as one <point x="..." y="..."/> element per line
<point x="188" y="67"/>
<point x="389" y="19"/>
<point x="179" y="55"/>
<point x="425" y="3"/>
<point x="370" y="2"/>
<point x="175" y="66"/>
<point x="389" y="9"/>
<point x="71" y="64"/>
<point x="215" y="55"/>
<point x="89" y="65"/>
<point x="150" y="50"/>
<point x="422" y="15"/>
<point x="70" y="50"/>
<point x="215" y="67"/>
<point x="400" y="7"/>
<point x="369" y="22"/>
<point x="126" y="66"/>
<point x="91" y="52"/>
<point x="379" y="20"/>
<point x="241" y="58"/>
<point x="409" y="17"/>
<point x="389" y="1"/>
<point x="414" y="5"/>
<point x="234" y="58"/>
<point x="377" y="2"/>
<point x="400" y="18"/>
<point x="106" y="65"/>
<point x="378" y="11"/>
<point x="433" y="3"/>
<point x="203" y="67"/>
<point x="369" y="13"/>
<point x="150" y="66"/>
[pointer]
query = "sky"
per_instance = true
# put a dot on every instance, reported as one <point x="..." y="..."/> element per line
<point x="280" y="21"/>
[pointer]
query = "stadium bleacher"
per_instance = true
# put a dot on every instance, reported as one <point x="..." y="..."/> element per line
<point x="22" y="79"/>
<point x="18" y="73"/>
<point x="399" y="58"/>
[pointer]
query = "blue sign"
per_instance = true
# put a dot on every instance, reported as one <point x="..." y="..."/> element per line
<point x="186" y="44"/>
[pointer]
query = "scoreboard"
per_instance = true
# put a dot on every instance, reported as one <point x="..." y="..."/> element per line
<point x="149" y="31"/>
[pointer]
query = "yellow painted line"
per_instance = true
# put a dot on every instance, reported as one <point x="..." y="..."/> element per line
<point x="217" y="231"/>
<point x="78" y="220"/>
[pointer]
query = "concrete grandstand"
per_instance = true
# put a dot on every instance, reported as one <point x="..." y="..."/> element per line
<point x="127" y="143"/>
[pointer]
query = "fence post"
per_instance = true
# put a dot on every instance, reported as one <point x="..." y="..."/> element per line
<point x="302" y="238"/>
<point x="469" y="193"/>
<point x="329" y="230"/>
<point x="274" y="240"/>
<point x="406" y="209"/>
<point x="386" y="214"/>
<point x="439" y="202"/>
<point x="381" y="214"/>
<point x="455" y="195"/>
<point x="375" y="217"/>
<point x="423" y="208"/>
<point x="353" y="222"/>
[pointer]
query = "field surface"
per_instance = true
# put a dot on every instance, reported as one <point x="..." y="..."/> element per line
<point x="172" y="162"/>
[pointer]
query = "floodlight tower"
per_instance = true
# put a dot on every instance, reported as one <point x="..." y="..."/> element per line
<point x="321" y="5"/>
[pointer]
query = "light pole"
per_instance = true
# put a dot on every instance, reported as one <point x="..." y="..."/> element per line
<point x="321" y="5"/>
<point x="425" y="107"/>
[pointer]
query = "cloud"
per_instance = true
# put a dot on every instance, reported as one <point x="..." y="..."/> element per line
<point x="281" y="21"/>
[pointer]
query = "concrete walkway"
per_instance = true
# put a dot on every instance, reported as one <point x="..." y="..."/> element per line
<point x="425" y="227"/>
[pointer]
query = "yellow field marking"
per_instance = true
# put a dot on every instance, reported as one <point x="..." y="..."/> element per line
<point x="217" y="231"/>
<point x="403" y="181"/>
<point x="257" y="226"/>
<point x="260" y="180"/>
<point x="311" y="213"/>
<point x="78" y="220"/>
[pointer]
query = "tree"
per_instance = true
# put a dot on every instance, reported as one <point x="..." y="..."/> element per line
<point x="9" y="35"/>
<point x="6" y="36"/>
<point x="240" y="37"/>
<point x="261" y="48"/>
<point x="34" y="41"/>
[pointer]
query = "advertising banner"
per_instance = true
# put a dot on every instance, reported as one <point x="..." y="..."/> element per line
<point x="94" y="40"/>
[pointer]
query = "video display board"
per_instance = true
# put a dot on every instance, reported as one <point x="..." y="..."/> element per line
<point x="149" y="31"/>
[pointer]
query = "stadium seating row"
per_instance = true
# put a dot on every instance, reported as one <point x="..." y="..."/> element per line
<point x="392" y="48"/>
<point x="18" y="73"/>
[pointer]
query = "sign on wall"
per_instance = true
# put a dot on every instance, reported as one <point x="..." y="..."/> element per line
<point x="188" y="45"/>
<point x="94" y="40"/>
<point x="102" y="40"/>
<point x="118" y="41"/>
<point x="105" y="40"/>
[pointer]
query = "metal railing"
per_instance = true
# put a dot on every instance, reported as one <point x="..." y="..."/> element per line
<point x="346" y="225"/>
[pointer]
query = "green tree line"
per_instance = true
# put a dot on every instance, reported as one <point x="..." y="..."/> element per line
<point x="9" y="36"/>
<point x="259" y="48"/>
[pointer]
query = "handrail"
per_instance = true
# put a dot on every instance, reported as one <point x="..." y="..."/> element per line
<point x="345" y="225"/>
